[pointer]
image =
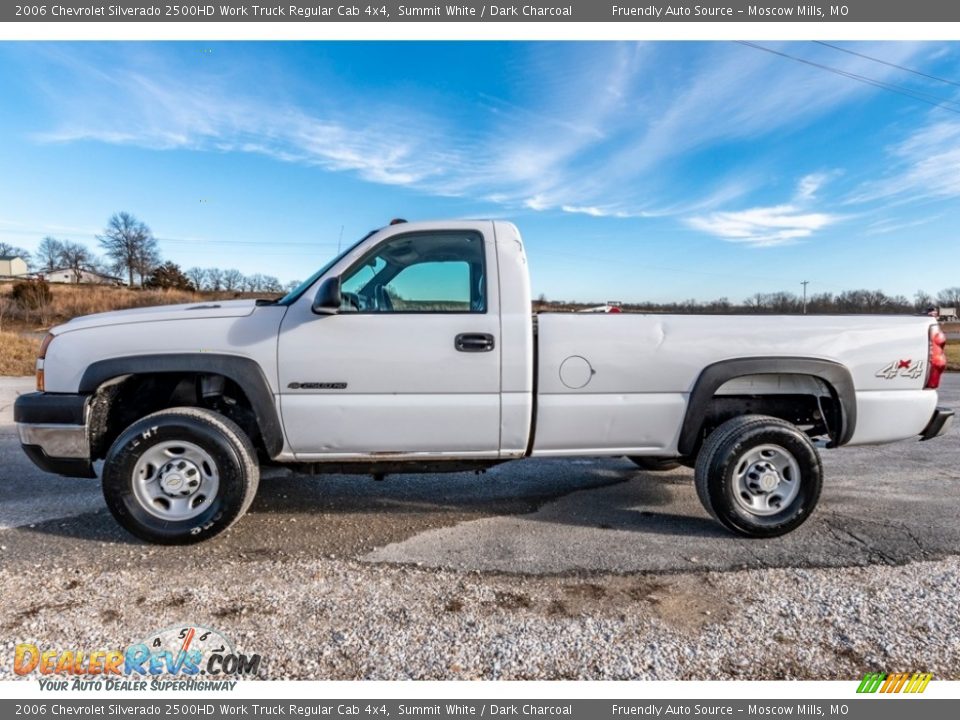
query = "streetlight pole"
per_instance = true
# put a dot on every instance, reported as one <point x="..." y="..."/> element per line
<point x="805" y="283"/>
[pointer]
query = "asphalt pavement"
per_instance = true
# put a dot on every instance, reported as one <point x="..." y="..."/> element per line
<point x="511" y="573"/>
<point x="890" y="503"/>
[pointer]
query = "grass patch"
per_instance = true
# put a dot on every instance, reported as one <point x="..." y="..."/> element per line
<point x="18" y="354"/>
<point x="70" y="301"/>
<point x="953" y="356"/>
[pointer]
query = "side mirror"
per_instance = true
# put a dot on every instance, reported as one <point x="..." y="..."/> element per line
<point x="327" y="300"/>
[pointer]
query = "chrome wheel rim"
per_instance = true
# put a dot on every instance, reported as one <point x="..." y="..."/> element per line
<point x="175" y="480"/>
<point x="766" y="480"/>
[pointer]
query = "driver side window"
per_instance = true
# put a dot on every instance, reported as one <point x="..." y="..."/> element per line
<point x="440" y="272"/>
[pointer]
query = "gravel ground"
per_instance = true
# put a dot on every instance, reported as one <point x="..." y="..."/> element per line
<point x="346" y="620"/>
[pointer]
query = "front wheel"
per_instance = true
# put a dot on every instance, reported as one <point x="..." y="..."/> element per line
<point x="759" y="476"/>
<point x="180" y="476"/>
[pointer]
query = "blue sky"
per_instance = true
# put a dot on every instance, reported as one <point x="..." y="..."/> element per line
<point x="636" y="171"/>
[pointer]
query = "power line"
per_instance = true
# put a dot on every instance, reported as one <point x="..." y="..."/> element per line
<point x="930" y="99"/>
<point x="260" y="243"/>
<point x="887" y="63"/>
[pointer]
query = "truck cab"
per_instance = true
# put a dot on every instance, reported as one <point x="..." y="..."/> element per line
<point x="417" y="343"/>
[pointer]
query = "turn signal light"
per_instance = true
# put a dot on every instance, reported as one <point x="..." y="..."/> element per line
<point x="40" y="358"/>
<point x="938" y="357"/>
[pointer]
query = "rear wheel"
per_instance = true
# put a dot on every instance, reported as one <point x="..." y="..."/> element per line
<point x="759" y="476"/>
<point x="654" y="464"/>
<point x="180" y="476"/>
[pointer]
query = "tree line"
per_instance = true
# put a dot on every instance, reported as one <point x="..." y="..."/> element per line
<point x="786" y="303"/>
<point x="131" y="250"/>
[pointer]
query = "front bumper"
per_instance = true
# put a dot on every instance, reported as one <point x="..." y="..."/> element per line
<point x="939" y="424"/>
<point x="53" y="432"/>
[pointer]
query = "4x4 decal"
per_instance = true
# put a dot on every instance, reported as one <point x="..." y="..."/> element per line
<point x="901" y="368"/>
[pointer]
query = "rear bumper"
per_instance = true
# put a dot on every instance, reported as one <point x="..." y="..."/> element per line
<point x="53" y="432"/>
<point x="939" y="424"/>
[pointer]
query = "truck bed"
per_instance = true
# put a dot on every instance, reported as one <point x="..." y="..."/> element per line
<point x="620" y="383"/>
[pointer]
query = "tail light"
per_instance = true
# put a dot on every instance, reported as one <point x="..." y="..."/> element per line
<point x="938" y="357"/>
<point x="40" y="358"/>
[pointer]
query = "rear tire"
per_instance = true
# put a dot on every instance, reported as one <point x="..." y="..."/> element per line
<point x="759" y="476"/>
<point x="180" y="476"/>
<point x="654" y="464"/>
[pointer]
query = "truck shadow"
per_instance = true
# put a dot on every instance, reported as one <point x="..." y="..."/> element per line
<point x="609" y="494"/>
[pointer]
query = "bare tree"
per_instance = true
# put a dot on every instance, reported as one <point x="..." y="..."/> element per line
<point x="215" y="278"/>
<point x="76" y="257"/>
<point x="922" y="301"/>
<point x="720" y="305"/>
<point x="253" y="283"/>
<point x="757" y="302"/>
<point x="232" y="280"/>
<point x="271" y="284"/>
<point x="820" y="303"/>
<point x="49" y="254"/>
<point x="104" y="267"/>
<point x="14" y="251"/>
<point x="949" y="297"/>
<point x="197" y="277"/>
<point x="130" y="244"/>
<point x="148" y="260"/>
<point x="784" y="302"/>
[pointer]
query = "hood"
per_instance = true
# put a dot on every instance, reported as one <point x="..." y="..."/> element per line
<point x="158" y="313"/>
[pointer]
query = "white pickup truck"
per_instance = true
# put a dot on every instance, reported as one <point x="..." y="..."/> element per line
<point x="415" y="351"/>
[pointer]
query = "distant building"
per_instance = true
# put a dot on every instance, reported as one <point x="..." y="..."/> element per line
<point x="12" y="266"/>
<point x="612" y="306"/>
<point x="67" y="276"/>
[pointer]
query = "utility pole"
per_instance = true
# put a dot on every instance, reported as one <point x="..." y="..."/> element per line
<point x="340" y="240"/>
<point x="805" y="283"/>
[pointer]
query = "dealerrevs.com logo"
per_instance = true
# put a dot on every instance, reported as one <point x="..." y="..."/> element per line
<point x="179" y="658"/>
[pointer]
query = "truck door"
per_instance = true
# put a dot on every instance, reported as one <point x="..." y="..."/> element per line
<point x="410" y="364"/>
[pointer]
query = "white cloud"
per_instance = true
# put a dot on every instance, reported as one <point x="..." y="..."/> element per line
<point x="890" y="225"/>
<point x="737" y="92"/>
<point x="571" y="143"/>
<point x="924" y="165"/>
<point x="537" y="202"/>
<point x="763" y="226"/>
<point x="594" y="211"/>
<point x="809" y="185"/>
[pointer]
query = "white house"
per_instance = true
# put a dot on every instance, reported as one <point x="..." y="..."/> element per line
<point x="12" y="266"/>
<point x="87" y="277"/>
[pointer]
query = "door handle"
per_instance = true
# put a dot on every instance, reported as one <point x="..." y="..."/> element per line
<point x="474" y="342"/>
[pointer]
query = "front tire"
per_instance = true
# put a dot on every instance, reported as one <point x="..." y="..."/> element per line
<point x="180" y="476"/>
<point x="759" y="476"/>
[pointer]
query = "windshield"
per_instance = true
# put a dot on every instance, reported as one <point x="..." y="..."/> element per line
<point x="294" y="295"/>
